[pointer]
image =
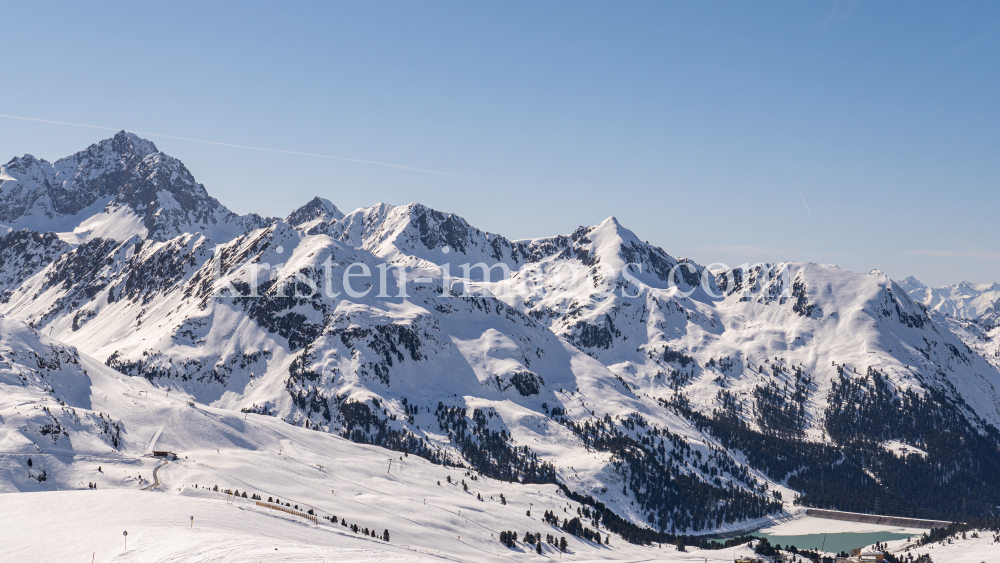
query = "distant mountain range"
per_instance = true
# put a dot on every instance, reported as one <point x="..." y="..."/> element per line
<point x="681" y="399"/>
<point x="969" y="301"/>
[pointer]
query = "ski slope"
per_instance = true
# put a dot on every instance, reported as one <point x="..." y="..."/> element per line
<point x="74" y="526"/>
<point x="425" y="507"/>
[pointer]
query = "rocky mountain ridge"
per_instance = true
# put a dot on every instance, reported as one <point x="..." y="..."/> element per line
<point x="965" y="300"/>
<point x="117" y="188"/>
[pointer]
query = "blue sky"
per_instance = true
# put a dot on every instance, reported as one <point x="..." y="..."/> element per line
<point x="863" y="134"/>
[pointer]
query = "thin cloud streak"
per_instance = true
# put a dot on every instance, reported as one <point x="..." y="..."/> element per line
<point x="800" y="195"/>
<point x="374" y="162"/>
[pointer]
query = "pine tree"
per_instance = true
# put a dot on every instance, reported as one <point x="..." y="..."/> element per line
<point x="562" y="544"/>
<point x="538" y="548"/>
<point x="385" y="534"/>
<point x="29" y="462"/>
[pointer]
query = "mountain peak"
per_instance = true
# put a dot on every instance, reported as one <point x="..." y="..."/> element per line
<point x="610" y="231"/>
<point x="20" y="163"/>
<point x="131" y="145"/>
<point x="115" y="188"/>
<point x="316" y="210"/>
<point x="912" y="284"/>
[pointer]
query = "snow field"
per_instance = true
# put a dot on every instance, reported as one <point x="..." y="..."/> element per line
<point x="970" y="550"/>
<point x="809" y="525"/>
<point x="313" y="470"/>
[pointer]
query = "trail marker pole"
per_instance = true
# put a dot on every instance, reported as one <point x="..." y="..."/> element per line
<point x="390" y="467"/>
<point x="125" y="533"/>
<point x="192" y="521"/>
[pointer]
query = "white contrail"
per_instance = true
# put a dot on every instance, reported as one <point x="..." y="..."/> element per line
<point x="387" y="164"/>
<point x="800" y="195"/>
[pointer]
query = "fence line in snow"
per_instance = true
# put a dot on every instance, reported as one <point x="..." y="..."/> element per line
<point x="314" y="519"/>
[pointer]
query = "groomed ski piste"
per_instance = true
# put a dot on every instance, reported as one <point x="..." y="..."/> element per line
<point x="453" y="525"/>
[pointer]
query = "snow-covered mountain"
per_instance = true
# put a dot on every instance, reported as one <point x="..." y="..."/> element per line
<point x="417" y="235"/>
<point x="117" y="188"/>
<point x="677" y="398"/>
<point x="970" y="311"/>
<point x="966" y="300"/>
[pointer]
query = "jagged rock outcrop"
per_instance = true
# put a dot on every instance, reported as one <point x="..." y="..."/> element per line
<point x="118" y="188"/>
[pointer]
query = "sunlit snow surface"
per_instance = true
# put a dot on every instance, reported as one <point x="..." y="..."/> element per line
<point x="62" y="519"/>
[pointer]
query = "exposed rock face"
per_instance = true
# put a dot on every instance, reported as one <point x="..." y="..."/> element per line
<point x="314" y="216"/>
<point x="117" y="188"/>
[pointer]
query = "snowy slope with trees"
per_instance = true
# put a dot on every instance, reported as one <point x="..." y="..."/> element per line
<point x="369" y="503"/>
